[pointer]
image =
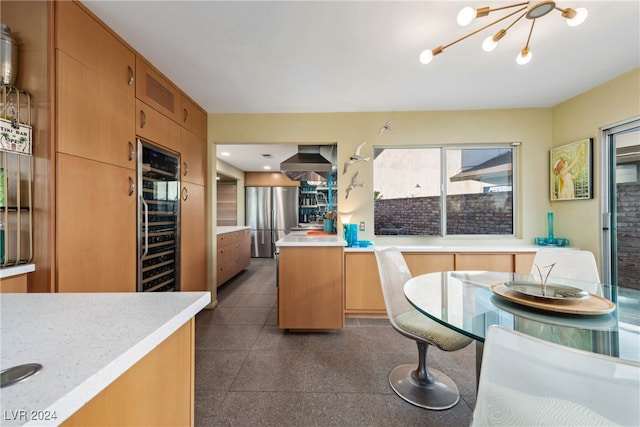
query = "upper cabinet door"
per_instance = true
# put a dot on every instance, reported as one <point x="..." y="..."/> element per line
<point x="84" y="39"/>
<point x="95" y="119"/>
<point x="193" y="155"/>
<point x="157" y="92"/>
<point x="193" y="118"/>
<point x="157" y="128"/>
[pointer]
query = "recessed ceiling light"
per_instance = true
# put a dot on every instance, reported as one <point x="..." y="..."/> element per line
<point x="225" y="153"/>
<point x="266" y="167"/>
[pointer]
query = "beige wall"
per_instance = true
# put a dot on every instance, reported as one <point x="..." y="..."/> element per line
<point x="586" y="116"/>
<point x="537" y="129"/>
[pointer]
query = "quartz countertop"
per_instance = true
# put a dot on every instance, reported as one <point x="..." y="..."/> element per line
<point x="222" y="229"/>
<point x="83" y="341"/>
<point x="17" y="270"/>
<point x="299" y="238"/>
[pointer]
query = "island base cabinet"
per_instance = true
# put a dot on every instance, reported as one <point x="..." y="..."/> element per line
<point x="156" y="391"/>
<point x="310" y="290"/>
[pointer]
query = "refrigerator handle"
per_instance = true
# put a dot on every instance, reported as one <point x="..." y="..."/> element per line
<point x="146" y="227"/>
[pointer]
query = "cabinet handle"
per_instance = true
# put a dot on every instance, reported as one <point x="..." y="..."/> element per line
<point x="186" y="168"/>
<point x="143" y="119"/>
<point x="132" y="151"/>
<point x="132" y="186"/>
<point x="185" y="193"/>
<point x="130" y="75"/>
<point x="185" y="115"/>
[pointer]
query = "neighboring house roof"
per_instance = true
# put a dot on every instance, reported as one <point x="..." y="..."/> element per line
<point x="491" y="170"/>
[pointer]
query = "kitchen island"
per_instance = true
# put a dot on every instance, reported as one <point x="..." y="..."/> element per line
<point x="107" y="358"/>
<point x="310" y="286"/>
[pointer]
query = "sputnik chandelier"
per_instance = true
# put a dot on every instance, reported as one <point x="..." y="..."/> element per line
<point x="531" y="10"/>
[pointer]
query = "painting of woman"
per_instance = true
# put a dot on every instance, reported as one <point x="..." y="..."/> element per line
<point x="570" y="179"/>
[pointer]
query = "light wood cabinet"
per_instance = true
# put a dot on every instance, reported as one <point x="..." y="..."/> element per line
<point x="485" y="261"/>
<point x="105" y="96"/>
<point x="95" y="117"/>
<point x="193" y="260"/>
<point x="423" y="263"/>
<point x="193" y="157"/>
<point x="157" y="92"/>
<point x="157" y="391"/>
<point x="233" y="254"/>
<point x="268" y="179"/>
<point x="157" y="128"/>
<point x="363" y="292"/>
<point x="524" y="262"/>
<point x="83" y="38"/>
<point x="14" y="284"/>
<point x="310" y="290"/>
<point x="96" y="226"/>
<point x="227" y="203"/>
<point x="193" y="118"/>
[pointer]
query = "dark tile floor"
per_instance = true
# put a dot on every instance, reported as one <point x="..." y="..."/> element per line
<point x="251" y="373"/>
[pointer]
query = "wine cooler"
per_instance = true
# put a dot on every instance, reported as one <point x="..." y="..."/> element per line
<point x="158" y="219"/>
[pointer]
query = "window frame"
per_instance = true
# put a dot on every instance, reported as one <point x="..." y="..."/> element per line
<point x="443" y="148"/>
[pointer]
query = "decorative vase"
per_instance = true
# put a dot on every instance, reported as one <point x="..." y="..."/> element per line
<point x="550" y="225"/>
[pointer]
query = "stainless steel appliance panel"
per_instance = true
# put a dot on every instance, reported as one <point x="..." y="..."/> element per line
<point x="158" y="219"/>
<point x="258" y="208"/>
<point x="271" y="212"/>
<point x="258" y="218"/>
<point x="285" y="209"/>
<point x="261" y="244"/>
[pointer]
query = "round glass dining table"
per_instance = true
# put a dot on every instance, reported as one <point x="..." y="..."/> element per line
<point x="465" y="302"/>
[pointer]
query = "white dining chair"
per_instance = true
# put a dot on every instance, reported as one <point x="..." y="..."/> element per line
<point x="417" y="384"/>
<point x="525" y="381"/>
<point x="571" y="264"/>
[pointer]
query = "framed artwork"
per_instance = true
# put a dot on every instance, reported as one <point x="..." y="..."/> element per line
<point x="571" y="171"/>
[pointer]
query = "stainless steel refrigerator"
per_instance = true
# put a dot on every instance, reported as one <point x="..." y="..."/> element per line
<point x="271" y="212"/>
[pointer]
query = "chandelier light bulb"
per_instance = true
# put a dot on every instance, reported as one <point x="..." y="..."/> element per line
<point x="426" y="56"/>
<point x="488" y="44"/>
<point x="466" y="15"/>
<point x="579" y="17"/>
<point x="524" y="57"/>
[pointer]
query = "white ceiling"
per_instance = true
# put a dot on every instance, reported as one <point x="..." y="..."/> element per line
<point x="344" y="56"/>
<point x="251" y="157"/>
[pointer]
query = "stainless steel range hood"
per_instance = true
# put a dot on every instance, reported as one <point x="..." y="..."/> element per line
<point x="307" y="165"/>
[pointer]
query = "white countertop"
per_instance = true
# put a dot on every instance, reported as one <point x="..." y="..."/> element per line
<point x="301" y="238"/>
<point x="16" y="270"/>
<point x="83" y="341"/>
<point x="222" y="229"/>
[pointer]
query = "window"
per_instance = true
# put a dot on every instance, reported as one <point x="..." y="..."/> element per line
<point x="444" y="191"/>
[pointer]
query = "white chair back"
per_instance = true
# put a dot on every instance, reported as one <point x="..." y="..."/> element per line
<point x="525" y="381"/>
<point x="394" y="273"/>
<point x="569" y="264"/>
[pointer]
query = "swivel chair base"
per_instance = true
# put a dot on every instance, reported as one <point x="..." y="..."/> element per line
<point x="441" y="393"/>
